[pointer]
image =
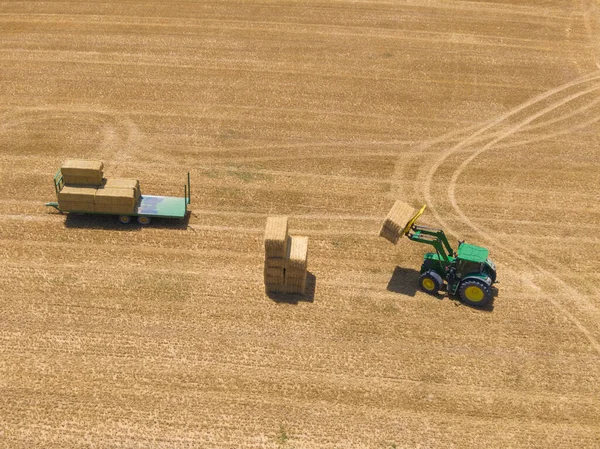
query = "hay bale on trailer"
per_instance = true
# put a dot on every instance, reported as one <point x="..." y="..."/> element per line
<point x="114" y="200"/>
<point x="123" y="183"/>
<point x="81" y="172"/>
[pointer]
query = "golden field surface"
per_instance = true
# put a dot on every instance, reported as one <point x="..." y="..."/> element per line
<point x="326" y="111"/>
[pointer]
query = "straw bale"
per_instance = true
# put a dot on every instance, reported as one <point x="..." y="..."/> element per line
<point x="297" y="255"/>
<point x="89" y="181"/>
<point x="126" y="183"/>
<point x="295" y="278"/>
<point x="276" y="236"/>
<point x="116" y="196"/>
<point x="80" y="206"/>
<point x="77" y="194"/>
<point x="274" y="280"/>
<point x="115" y="209"/>
<point x="396" y="220"/>
<point x="398" y="216"/>
<point x="389" y="234"/>
<point x="75" y="171"/>
<point x="275" y="272"/>
<point x="275" y="288"/>
<point x="275" y="262"/>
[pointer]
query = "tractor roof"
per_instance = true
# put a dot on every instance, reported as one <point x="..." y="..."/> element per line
<point x="472" y="253"/>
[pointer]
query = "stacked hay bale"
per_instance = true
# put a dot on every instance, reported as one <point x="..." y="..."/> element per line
<point x="276" y="243"/>
<point x="86" y="190"/>
<point x="296" y="262"/>
<point x="396" y="221"/>
<point x="285" y="258"/>
<point x="80" y="172"/>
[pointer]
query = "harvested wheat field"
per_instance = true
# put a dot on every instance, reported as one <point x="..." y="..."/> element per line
<point x="326" y="112"/>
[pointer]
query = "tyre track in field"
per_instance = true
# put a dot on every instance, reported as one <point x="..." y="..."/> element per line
<point x="511" y="130"/>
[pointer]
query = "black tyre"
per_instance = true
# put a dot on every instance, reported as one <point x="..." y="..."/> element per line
<point x="430" y="282"/>
<point x="143" y="220"/>
<point x="124" y="219"/>
<point x="475" y="293"/>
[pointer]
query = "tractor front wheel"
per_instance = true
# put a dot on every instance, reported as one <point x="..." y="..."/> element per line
<point x="475" y="293"/>
<point x="430" y="282"/>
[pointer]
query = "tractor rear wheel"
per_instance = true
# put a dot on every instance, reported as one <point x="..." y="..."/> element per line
<point x="430" y="282"/>
<point x="124" y="219"/>
<point x="475" y="293"/>
<point x="143" y="220"/>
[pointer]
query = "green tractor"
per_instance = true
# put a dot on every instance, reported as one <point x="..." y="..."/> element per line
<point x="468" y="272"/>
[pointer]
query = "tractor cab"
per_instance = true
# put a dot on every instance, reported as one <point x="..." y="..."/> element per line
<point x="472" y="260"/>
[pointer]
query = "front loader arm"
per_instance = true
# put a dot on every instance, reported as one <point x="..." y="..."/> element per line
<point x="433" y="237"/>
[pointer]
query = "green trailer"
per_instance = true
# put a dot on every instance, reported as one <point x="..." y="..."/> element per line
<point x="146" y="207"/>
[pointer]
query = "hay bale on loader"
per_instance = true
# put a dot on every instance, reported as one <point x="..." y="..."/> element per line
<point x="81" y="172"/>
<point x="396" y="221"/>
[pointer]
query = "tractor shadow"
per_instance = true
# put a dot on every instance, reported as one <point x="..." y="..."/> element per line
<point x="110" y="222"/>
<point x="290" y="298"/>
<point x="405" y="281"/>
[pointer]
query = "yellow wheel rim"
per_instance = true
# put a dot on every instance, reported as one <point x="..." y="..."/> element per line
<point x="428" y="284"/>
<point x="474" y="293"/>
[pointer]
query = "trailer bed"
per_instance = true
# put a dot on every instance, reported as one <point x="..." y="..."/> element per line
<point x="161" y="206"/>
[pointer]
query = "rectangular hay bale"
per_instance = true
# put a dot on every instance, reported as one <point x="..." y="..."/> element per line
<point x="74" y="171"/>
<point x="297" y="256"/>
<point x="396" y="220"/>
<point x="79" y="206"/>
<point x="276" y="236"/>
<point x="124" y="183"/>
<point x="116" y="196"/>
<point x="389" y="234"/>
<point x="274" y="279"/>
<point x="114" y="209"/>
<point x="77" y="194"/>
<point x="274" y="272"/>
<point x="275" y="262"/>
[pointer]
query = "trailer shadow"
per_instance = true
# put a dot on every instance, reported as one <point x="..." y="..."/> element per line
<point x="110" y="222"/>
<point x="288" y="298"/>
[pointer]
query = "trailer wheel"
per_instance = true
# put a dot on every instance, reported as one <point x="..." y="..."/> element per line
<point x="143" y="220"/>
<point x="430" y="282"/>
<point x="475" y="293"/>
<point x="124" y="219"/>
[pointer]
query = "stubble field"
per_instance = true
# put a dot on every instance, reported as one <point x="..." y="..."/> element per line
<point x="326" y="111"/>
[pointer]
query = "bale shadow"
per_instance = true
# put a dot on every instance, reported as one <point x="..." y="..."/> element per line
<point x="290" y="298"/>
<point x="404" y="281"/>
<point x="111" y="222"/>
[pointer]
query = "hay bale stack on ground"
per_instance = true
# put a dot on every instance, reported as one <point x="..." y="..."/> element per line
<point x="285" y="258"/>
<point x="276" y="243"/>
<point x="396" y="220"/>
<point x="80" y="172"/>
